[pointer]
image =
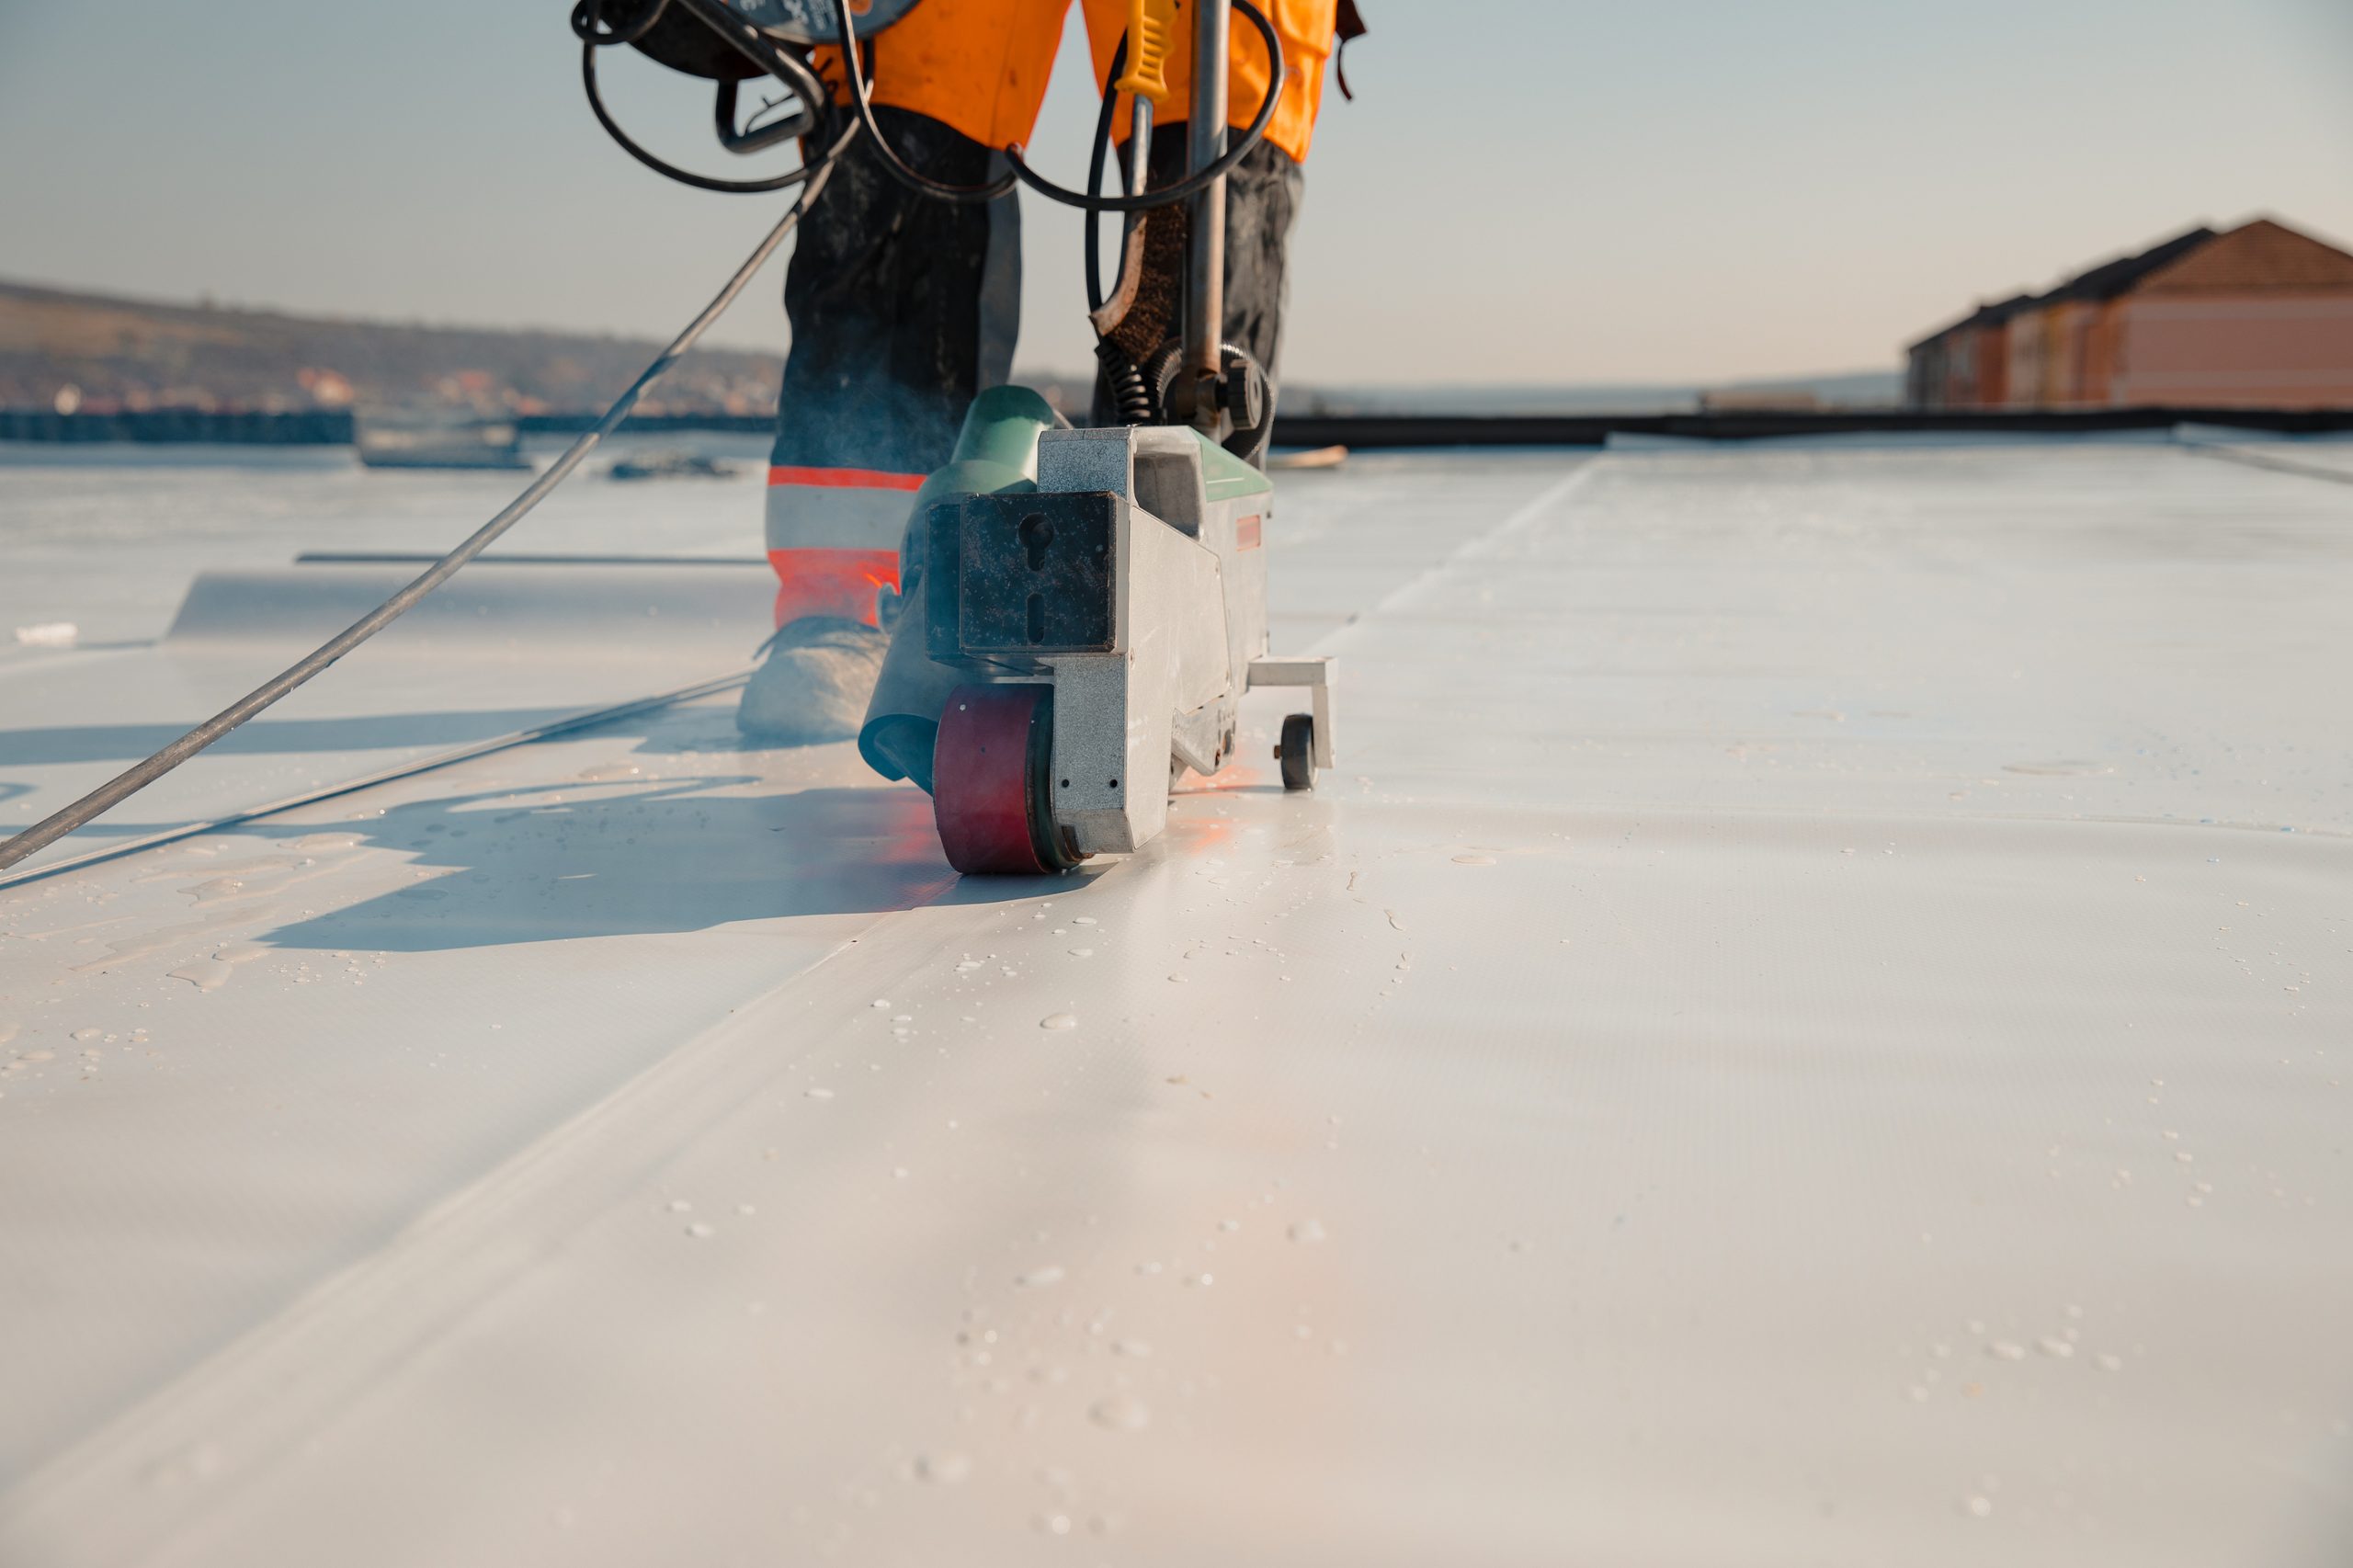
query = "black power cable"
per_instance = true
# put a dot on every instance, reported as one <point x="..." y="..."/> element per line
<point x="588" y="22"/>
<point x="1131" y="395"/>
<point x="861" y="100"/>
<point x="1199" y="179"/>
<point x="1096" y="153"/>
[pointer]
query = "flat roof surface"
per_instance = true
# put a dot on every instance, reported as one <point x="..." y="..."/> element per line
<point x="1809" y="1025"/>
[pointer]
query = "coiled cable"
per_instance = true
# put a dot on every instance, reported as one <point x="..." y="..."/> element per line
<point x="1019" y="171"/>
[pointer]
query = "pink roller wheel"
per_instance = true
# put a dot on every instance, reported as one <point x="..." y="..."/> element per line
<point x="991" y="786"/>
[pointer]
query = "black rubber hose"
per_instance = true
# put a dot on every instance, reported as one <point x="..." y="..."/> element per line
<point x="784" y="181"/>
<point x="1193" y="184"/>
<point x="861" y="101"/>
<point x="133" y="779"/>
<point x="587" y="21"/>
<point x="1095" y="157"/>
<point x="860" y="93"/>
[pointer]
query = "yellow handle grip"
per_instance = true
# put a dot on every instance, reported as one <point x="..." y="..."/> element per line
<point x="1151" y="25"/>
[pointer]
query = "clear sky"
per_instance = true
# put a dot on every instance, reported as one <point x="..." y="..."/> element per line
<point x="1524" y="190"/>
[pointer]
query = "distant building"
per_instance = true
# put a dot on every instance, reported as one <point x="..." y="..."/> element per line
<point x="2257" y="316"/>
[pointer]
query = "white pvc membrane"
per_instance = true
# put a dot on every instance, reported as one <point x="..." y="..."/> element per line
<point x="1811" y="1024"/>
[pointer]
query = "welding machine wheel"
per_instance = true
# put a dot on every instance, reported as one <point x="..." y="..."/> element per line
<point x="992" y="785"/>
<point x="1297" y="751"/>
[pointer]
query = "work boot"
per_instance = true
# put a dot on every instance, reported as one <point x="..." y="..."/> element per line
<point x="814" y="684"/>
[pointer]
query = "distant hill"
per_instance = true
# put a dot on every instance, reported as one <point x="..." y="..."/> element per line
<point x="116" y="353"/>
<point x="106" y="354"/>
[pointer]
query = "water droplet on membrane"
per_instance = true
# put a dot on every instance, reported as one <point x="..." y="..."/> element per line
<point x="1121" y="1412"/>
<point x="945" y="1468"/>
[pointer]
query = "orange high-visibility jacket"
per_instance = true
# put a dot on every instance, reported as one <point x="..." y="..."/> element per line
<point x="980" y="66"/>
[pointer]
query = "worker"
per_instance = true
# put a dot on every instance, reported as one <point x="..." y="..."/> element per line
<point x="904" y="306"/>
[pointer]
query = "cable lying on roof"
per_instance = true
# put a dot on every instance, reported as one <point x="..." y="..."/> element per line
<point x="49" y="829"/>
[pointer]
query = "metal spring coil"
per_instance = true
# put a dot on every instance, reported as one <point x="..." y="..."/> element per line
<point x="1130" y="394"/>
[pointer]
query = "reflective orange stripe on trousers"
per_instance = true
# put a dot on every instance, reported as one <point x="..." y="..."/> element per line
<point x="829" y="580"/>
